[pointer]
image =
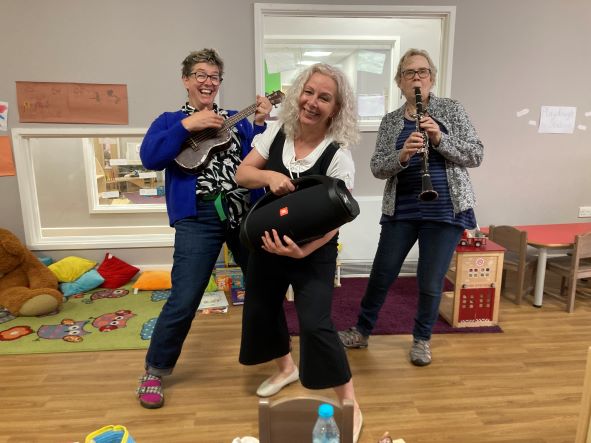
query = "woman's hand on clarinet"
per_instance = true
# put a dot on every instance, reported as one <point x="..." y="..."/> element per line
<point x="431" y="127"/>
<point x="413" y="144"/>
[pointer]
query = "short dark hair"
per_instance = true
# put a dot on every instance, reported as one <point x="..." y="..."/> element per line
<point x="204" y="55"/>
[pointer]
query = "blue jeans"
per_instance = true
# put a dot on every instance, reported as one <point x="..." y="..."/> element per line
<point x="197" y="244"/>
<point x="437" y="243"/>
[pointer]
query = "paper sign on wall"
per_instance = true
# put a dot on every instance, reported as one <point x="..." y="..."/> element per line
<point x="6" y="162"/>
<point x="557" y="119"/>
<point x="48" y="102"/>
<point x="3" y="116"/>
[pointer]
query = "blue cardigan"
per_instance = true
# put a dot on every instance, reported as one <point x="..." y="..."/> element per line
<point x="160" y="147"/>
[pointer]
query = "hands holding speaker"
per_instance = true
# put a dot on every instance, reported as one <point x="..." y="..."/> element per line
<point x="273" y="244"/>
<point x="288" y="248"/>
<point x="280" y="184"/>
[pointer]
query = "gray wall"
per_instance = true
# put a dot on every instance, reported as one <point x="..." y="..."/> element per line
<point x="508" y="55"/>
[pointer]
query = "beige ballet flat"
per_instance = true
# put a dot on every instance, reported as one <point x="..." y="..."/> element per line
<point x="357" y="432"/>
<point x="267" y="389"/>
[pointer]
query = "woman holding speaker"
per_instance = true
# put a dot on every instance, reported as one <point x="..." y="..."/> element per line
<point x="316" y="122"/>
<point x="423" y="150"/>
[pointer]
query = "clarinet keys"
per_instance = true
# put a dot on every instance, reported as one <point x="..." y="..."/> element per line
<point x="427" y="191"/>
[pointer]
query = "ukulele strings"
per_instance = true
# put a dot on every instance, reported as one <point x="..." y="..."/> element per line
<point x="203" y="135"/>
<point x="212" y="132"/>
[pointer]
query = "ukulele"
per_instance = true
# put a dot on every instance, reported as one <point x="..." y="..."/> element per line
<point x="200" y="147"/>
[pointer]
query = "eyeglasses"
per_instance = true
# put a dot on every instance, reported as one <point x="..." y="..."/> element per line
<point x="409" y="74"/>
<point x="202" y="77"/>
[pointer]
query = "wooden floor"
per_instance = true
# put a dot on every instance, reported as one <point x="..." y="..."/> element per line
<point x="523" y="385"/>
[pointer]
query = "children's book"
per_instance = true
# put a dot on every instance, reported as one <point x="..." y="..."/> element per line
<point x="213" y="300"/>
<point x="238" y="296"/>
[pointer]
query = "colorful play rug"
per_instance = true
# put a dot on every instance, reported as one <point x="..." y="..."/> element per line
<point x="99" y="320"/>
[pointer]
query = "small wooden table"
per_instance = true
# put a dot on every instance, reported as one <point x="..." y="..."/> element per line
<point x="551" y="236"/>
<point x="544" y="237"/>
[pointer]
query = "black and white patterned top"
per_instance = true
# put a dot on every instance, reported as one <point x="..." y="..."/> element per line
<point x="218" y="176"/>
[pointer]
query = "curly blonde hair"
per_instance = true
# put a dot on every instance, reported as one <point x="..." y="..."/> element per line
<point x="343" y="126"/>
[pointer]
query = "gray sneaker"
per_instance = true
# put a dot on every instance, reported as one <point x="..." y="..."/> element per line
<point x="353" y="339"/>
<point x="420" y="352"/>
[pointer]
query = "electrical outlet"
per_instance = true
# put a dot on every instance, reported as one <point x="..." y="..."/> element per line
<point x="584" y="211"/>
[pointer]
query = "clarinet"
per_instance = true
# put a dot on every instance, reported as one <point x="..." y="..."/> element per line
<point x="427" y="191"/>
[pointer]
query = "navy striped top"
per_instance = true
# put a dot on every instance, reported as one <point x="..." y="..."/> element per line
<point x="408" y="206"/>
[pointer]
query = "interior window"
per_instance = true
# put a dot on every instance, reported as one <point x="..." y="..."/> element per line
<point x="365" y="43"/>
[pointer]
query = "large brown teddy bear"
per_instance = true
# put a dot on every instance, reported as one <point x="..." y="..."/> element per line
<point x="27" y="286"/>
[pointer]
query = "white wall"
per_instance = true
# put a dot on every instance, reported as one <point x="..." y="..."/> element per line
<point x="507" y="56"/>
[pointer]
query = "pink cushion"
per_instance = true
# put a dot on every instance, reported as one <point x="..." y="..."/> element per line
<point x="116" y="272"/>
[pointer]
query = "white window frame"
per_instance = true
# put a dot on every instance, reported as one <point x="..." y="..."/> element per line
<point x="93" y="194"/>
<point x="79" y="237"/>
<point x="445" y="13"/>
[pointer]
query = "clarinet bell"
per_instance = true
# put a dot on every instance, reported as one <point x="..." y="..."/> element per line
<point x="428" y="196"/>
<point x="428" y="193"/>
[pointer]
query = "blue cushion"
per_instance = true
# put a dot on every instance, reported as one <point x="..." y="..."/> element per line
<point x="89" y="280"/>
<point x="45" y="260"/>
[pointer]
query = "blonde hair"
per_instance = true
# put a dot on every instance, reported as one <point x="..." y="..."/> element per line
<point x="343" y="126"/>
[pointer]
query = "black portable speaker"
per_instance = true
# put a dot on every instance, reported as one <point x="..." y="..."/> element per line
<point x="318" y="205"/>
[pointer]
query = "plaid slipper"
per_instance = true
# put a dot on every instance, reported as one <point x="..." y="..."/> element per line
<point x="150" y="391"/>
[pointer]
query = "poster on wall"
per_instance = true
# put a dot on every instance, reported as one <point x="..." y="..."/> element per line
<point x="6" y="161"/>
<point x="52" y="102"/>
<point x="557" y="119"/>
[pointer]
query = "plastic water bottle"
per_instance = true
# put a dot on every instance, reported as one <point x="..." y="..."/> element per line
<point x="326" y="429"/>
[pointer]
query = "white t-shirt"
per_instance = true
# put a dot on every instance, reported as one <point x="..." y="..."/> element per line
<point x="341" y="166"/>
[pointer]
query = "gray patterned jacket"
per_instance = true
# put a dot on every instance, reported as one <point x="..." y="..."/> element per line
<point x="460" y="147"/>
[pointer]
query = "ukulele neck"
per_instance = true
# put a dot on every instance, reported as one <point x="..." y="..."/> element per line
<point x="231" y="121"/>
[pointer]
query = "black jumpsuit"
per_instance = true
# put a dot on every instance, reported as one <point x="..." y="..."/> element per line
<point x="323" y="362"/>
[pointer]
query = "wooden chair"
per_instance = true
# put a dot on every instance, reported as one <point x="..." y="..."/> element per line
<point x="111" y="179"/>
<point x="291" y="420"/>
<point x="584" y="426"/>
<point x="516" y="260"/>
<point x="572" y="268"/>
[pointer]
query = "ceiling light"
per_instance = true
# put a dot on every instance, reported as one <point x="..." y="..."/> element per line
<point x="317" y="53"/>
<point x="308" y="62"/>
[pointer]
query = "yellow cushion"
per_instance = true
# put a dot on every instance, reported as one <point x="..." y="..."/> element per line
<point x="71" y="268"/>
<point x="153" y="280"/>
